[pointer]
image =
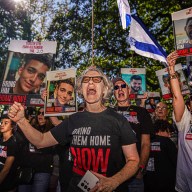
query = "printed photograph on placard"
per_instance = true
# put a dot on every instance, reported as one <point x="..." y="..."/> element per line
<point x="61" y="96"/>
<point x="136" y="79"/>
<point x="163" y="78"/>
<point x="26" y="68"/>
<point x="189" y="71"/>
<point x="182" y="24"/>
<point x="153" y="99"/>
<point x="182" y="79"/>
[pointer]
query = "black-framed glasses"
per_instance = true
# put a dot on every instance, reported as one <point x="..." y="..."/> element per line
<point x="162" y="108"/>
<point x="95" y="79"/>
<point x="116" y="87"/>
<point x="40" y="113"/>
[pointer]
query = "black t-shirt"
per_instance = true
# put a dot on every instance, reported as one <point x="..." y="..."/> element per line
<point x="96" y="141"/>
<point x="161" y="168"/>
<point x="140" y="121"/>
<point x="29" y="156"/>
<point x="8" y="148"/>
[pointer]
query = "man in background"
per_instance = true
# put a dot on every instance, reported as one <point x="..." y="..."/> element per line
<point x="161" y="113"/>
<point x="141" y="124"/>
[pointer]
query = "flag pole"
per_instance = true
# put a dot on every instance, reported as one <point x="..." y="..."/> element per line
<point x="92" y="32"/>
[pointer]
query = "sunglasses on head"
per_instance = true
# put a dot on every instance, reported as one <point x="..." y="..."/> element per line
<point x="40" y="112"/>
<point x="116" y="87"/>
<point x="95" y="79"/>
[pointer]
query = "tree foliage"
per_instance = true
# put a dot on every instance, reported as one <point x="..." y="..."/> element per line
<point x="72" y="31"/>
<point x="23" y="20"/>
<point x="8" y="27"/>
<point x="70" y="24"/>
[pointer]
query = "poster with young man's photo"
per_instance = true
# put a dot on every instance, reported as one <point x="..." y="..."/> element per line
<point x="163" y="78"/>
<point x="182" y="27"/>
<point x="61" y="96"/>
<point x="25" y="71"/>
<point x="136" y="79"/>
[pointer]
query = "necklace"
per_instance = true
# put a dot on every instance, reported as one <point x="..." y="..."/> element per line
<point x="123" y="112"/>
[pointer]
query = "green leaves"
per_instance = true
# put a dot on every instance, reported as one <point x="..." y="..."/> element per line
<point x="70" y="24"/>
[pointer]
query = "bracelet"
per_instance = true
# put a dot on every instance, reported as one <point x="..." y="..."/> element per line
<point x="173" y="76"/>
<point x="142" y="169"/>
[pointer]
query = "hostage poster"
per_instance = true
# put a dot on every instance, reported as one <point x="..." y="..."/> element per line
<point x="182" y="27"/>
<point x="163" y="78"/>
<point x="25" y="71"/>
<point x="61" y="96"/>
<point x="136" y="79"/>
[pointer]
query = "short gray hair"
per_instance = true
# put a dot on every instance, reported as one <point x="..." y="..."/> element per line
<point x="108" y="85"/>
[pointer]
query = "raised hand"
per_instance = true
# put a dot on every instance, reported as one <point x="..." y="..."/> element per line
<point x="16" y="112"/>
<point x="171" y="59"/>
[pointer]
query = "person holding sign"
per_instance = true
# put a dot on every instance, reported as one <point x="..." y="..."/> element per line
<point x="141" y="123"/>
<point x="100" y="139"/>
<point x="182" y="118"/>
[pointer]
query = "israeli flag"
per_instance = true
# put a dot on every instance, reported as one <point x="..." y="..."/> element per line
<point x="124" y="10"/>
<point x="143" y="43"/>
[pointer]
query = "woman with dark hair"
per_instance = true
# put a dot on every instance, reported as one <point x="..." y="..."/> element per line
<point x="8" y="154"/>
<point x="41" y="160"/>
<point x="42" y="123"/>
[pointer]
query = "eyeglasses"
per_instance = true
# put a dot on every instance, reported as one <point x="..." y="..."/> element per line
<point x="116" y="87"/>
<point x="40" y="113"/>
<point x="95" y="79"/>
<point x="162" y="108"/>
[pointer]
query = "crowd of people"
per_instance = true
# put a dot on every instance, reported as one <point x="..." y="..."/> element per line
<point x="125" y="147"/>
